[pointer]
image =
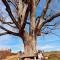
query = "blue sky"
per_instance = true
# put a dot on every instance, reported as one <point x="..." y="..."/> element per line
<point x="46" y="42"/>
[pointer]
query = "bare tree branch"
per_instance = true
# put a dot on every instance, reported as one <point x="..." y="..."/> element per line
<point x="4" y="33"/>
<point x="12" y="3"/>
<point x="32" y="17"/>
<point x="22" y="12"/>
<point x="50" y="25"/>
<point x="38" y="26"/>
<point x="40" y="21"/>
<point x="25" y="19"/>
<point x="10" y="13"/>
<point x="9" y="32"/>
<point x="37" y="2"/>
<point x="51" y="18"/>
<point x="8" y="23"/>
<point x="41" y="24"/>
<point x="45" y="8"/>
<point x="11" y="25"/>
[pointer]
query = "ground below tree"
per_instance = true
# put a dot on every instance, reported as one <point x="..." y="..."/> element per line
<point x="53" y="55"/>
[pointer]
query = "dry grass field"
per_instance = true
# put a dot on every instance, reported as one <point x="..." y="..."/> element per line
<point x="5" y="53"/>
<point x="14" y="57"/>
<point x="53" y="55"/>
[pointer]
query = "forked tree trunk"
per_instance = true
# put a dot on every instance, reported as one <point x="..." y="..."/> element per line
<point x="30" y="39"/>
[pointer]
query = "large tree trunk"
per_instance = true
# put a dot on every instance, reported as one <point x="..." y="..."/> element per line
<point x="29" y="43"/>
<point x="29" y="46"/>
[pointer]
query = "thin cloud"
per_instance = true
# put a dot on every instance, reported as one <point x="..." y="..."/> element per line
<point x="45" y="47"/>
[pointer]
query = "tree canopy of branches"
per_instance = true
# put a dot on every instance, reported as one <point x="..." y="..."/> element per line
<point x="26" y="15"/>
